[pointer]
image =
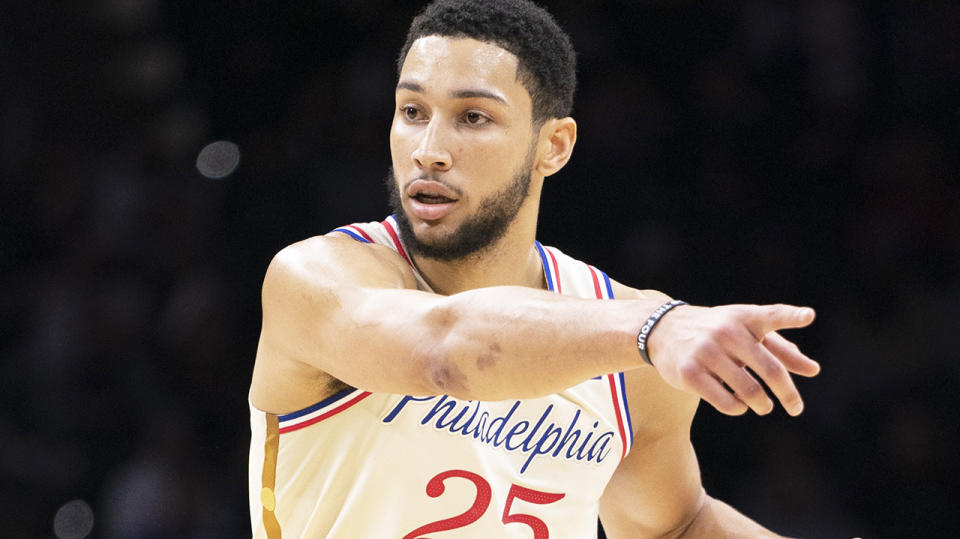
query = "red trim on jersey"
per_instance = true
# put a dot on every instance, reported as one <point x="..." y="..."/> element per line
<point x="325" y="415"/>
<point x="396" y="241"/>
<point x="596" y="282"/>
<point x="556" y="271"/>
<point x="360" y="231"/>
<point x="616" y="407"/>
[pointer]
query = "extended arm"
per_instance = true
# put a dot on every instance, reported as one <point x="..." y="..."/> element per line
<point x="351" y="310"/>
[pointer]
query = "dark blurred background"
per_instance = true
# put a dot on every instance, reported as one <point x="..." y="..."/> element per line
<point x="754" y="151"/>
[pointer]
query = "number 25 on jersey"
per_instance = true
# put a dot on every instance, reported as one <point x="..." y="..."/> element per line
<point x="480" y="504"/>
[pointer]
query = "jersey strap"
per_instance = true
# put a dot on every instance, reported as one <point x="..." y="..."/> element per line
<point x="550" y="268"/>
<point x="322" y="410"/>
<point x="390" y="223"/>
<point x="355" y="232"/>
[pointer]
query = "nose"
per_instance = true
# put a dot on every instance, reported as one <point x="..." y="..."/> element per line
<point x="430" y="153"/>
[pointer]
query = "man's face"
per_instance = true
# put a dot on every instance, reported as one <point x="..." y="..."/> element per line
<point x="463" y="146"/>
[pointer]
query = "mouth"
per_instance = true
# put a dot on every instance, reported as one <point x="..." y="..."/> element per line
<point x="427" y="198"/>
<point x="430" y="199"/>
<point x="431" y="192"/>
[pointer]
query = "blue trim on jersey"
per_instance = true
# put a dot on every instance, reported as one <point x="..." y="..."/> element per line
<point x="606" y="279"/>
<point x="352" y="234"/>
<point x="623" y="380"/>
<point x="546" y="265"/>
<point x="392" y="219"/>
<point x="626" y="405"/>
<point x="313" y="408"/>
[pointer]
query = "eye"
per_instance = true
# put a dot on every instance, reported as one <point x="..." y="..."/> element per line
<point x="410" y="112"/>
<point x="475" y="118"/>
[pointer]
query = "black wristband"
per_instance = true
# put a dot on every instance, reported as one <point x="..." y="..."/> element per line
<point x="648" y="327"/>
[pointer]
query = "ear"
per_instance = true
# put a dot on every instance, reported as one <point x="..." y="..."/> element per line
<point x="557" y="137"/>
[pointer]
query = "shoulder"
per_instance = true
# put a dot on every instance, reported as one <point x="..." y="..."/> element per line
<point x="338" y="259"/>
<point x="309" y="282"/>
<point x="305" y="287"/>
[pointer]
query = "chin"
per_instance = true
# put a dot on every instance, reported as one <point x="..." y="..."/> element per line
<point x="433" y="233"/>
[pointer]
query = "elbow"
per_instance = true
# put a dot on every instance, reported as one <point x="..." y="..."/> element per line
<point x="687" y="525"/>
<point x="444" y="376"/>
<point x="436" y="355"/>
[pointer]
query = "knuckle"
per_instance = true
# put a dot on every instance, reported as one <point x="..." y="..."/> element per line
<point x="771" y="370"/>
<point x="753" y="392"/>
<point x="689" y="371"/>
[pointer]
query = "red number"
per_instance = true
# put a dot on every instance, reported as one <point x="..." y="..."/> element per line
<point x="540" y="530"/>
<point x="435" y="488"/>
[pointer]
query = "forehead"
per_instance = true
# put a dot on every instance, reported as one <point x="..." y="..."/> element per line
<point x="444" y="63"/>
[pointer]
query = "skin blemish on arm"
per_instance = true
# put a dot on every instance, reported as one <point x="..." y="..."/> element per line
<point x="447" y="377"/>
<point x="488" y="358"/>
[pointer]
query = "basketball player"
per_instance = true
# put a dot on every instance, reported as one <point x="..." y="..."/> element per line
<point x="442" y="374"/>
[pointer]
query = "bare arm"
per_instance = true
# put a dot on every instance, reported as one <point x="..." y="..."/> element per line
<point x="351" y="310"/>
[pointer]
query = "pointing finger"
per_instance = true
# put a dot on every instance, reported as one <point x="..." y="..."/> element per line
<point x="762" y="319"/>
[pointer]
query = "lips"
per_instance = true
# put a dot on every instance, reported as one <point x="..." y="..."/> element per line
<point x="431" y="190"/>
<point x="427" y="198"/>
<point x="430" y="200"/>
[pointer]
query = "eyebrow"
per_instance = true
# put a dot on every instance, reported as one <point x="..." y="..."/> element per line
<point x="458" y="94"/>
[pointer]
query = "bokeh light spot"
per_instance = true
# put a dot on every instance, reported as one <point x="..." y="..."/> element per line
<point x="74" y="520"/>
<point x="218" y="159"/>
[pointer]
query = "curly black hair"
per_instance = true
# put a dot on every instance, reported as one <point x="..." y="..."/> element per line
<point x="547" y="62"/>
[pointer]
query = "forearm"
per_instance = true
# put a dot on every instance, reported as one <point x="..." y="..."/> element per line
<point x="716" y="519"/>
<point x="370" y="329"/>
<point x="513" y="342"/>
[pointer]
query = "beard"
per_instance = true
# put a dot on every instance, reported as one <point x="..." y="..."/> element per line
<point x="480" y="230"/>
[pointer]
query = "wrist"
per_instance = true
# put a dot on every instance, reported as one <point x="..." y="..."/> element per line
<point x="643" y="336"/>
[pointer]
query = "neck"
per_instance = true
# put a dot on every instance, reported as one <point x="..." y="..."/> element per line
<point x="511" y="261"/>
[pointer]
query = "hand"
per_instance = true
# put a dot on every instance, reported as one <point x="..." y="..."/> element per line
<point x="707" y="350"/>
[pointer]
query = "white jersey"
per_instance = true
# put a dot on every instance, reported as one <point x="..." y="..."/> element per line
<point x="375" y="465"/>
